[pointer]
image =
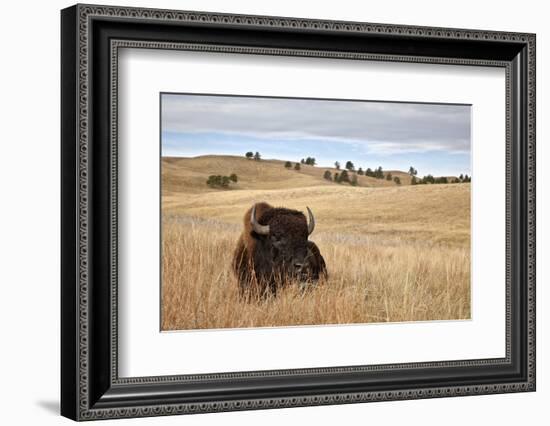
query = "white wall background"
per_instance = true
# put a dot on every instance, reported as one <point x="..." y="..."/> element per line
<point x="29" y="212"/>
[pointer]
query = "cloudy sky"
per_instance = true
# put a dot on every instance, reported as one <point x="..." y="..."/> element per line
<point x="434" y="138"/>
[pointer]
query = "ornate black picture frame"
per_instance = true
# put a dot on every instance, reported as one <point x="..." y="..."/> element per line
<point x="90" y="385"/>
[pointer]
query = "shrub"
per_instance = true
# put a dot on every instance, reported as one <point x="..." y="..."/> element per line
<point x="344" y="176"/>
<point x="337" y="165"/>
<point x="288" y="164"/>
<point x="397" y="180"/>
<point x="428" y="179"/>
<point x="297" y="166"/>
<point x="257" y="156"/>
<point x="219" y="181"/>
<point x="327" y="175"/>
<point x="353" y="180"/>
<point x="388" y="176"/>
<point x="350" y="166"/>
<point x="360" y="171"/>
<point x="249" y="155"/>
<point x="214" y="180"/>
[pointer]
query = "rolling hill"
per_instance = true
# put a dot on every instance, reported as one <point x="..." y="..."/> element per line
<point x="190" y="174"/>
<point x="376" y="206"/>
<point x="393" y="252"/>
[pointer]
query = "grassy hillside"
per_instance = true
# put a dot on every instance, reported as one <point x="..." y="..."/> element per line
<point x="393" y="252"/>
<point x="190" y="174"/>
<point x="435" y="213"/>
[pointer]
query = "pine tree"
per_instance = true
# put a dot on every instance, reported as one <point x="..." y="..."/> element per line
<point x="428" y="179"/>
<point x="344" y="176"/>
<point x="310" y="161"/>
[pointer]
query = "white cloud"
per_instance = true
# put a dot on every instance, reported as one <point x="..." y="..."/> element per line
<point x="381" y="127"/>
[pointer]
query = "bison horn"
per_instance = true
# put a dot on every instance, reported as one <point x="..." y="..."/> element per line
<point x="258" y="229"/>
<point x="311" y="224"/>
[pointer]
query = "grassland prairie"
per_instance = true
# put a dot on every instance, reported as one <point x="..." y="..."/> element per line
<point x="393" y="252"/>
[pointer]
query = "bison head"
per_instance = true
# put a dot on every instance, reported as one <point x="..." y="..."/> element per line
<point x="283" y="236"/>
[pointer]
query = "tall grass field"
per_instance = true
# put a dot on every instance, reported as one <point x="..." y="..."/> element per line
<point x="393" y="252"/>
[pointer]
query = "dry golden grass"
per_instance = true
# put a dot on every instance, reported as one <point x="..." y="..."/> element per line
<point x="393" y="253"/>
<point x="190" y="174"/>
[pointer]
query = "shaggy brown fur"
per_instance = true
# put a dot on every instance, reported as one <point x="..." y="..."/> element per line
<point x="262" y="263"/>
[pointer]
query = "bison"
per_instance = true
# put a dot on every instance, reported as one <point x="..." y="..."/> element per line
<point x="273" y="250"/>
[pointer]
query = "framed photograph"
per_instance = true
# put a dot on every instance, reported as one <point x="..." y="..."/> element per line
<point x="263" y="212"/>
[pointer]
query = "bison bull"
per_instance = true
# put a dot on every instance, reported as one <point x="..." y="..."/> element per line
<point x="273" y="250"/>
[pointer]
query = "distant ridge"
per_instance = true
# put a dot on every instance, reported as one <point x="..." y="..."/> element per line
<point x="189" y="174"/>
